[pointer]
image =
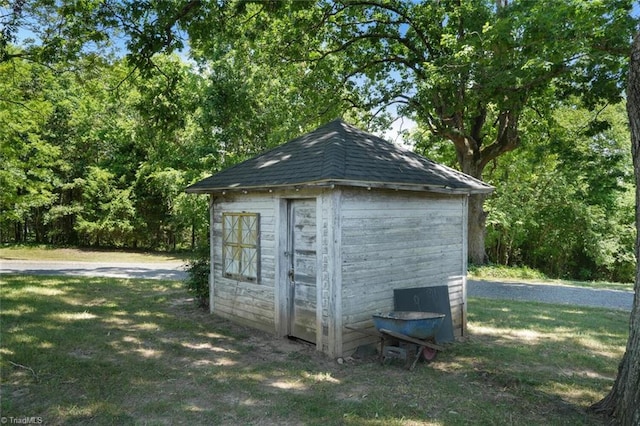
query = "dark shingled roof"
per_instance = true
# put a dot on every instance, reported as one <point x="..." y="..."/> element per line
<point x="340" y="154"/>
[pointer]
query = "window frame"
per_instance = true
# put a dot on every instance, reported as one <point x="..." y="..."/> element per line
<point x="241" y="247"/>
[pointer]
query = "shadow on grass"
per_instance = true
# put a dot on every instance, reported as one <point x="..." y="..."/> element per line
<point x="113" y="351"/>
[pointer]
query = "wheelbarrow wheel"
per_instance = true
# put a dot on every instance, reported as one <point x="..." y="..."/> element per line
<point x="429" y="354"/>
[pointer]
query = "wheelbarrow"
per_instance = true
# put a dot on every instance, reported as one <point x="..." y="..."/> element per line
<point x="412" y="335"/>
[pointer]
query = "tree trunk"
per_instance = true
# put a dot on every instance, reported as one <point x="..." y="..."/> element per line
<point x="469" y="160"/>
<point x="476" y="229"/>
<point x="622" y="404"/>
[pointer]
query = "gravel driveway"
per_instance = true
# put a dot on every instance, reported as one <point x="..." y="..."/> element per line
<point x="551" y="293"/>
<point x="547" y="293"/>
<point x="152" y="270"/>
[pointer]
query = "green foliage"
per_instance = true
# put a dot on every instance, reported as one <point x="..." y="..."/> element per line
<point x="27" y="178"/>
<point x="106" y="215"/>
<point x="564" y="204"/>
<point x="94" y="158"/>
<point x="496" y="271"/>
<point x="198" y="270"/>
<point x="468" y="71"/>
<point x="97" y="148"/>
<point x="253" y="99"/>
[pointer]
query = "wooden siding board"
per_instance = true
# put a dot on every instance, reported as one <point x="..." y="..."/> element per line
<point x="250" y="321"/>
<point x="464" y="260"/>
<point x="280" y="267"/>
<point x="372" y="240"/>
<point x="212" y="253"/>
<point x="321" y="293"/>
<point x="324" y="206"/>
<point x="335" y="274"/>
<point x="394" y="241"/>
<point x="388" y="197"/>
<point x="244" y="302"/>
<point x="392" y="252"/>
<point x="374" y="284"/>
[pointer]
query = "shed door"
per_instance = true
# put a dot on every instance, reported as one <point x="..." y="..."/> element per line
<point x="302" y="269"/>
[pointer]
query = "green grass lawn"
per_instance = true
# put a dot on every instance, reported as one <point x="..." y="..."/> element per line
<point x="525" y="274"/>
<point x="114" y="351"/>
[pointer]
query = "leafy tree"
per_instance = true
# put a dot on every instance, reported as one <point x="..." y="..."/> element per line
<point x="255" y="97"/>
<point x="85" y="127"/>
<point x="61" y="127"/>
<point x="27" y="176"/>
<point x="107" y="214"/>
<point x="468" y="71"/>
<point x="623" y="401"/>
<point x="563" y="199"/>
<point x="55" y="33"/>
<point x="156" y="190"/>
<point x="191" y="221"/>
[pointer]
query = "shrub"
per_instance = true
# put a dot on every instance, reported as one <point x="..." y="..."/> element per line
<point x="197" y="282"/>
<point x="493" y="271"/>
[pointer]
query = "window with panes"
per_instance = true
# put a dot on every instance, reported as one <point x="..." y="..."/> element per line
<point x="240" y="246"/>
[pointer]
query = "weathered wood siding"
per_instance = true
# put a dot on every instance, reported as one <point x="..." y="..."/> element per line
<point x="245" y="302"/>
<point x="264" y="304"/>
<point x="368" y="244"/>
<point x="329" y="340"/>
<point x="392" y="240"/>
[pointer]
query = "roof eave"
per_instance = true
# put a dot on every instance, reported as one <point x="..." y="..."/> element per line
<point x="328" y="183"/>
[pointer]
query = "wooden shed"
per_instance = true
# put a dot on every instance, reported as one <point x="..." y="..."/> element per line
<point x="313" y="236"/>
